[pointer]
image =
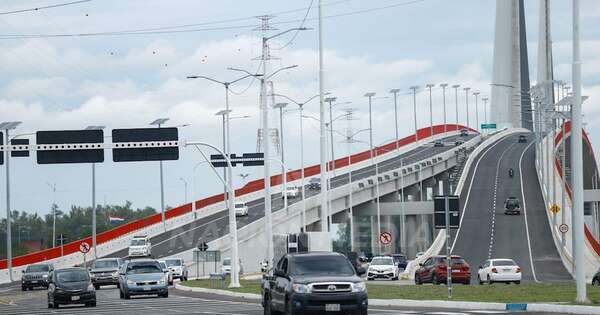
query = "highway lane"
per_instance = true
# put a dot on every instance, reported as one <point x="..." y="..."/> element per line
<point x="216" y="225"/>
<point x="487" y="232"/>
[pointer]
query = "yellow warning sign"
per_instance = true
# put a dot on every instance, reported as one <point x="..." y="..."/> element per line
<point x="555" y="209"/>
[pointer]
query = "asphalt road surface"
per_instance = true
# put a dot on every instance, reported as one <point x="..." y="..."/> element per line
<point x="34" y="303"/>
<point x="486" y="232"/>
<point x="217" y="225"/>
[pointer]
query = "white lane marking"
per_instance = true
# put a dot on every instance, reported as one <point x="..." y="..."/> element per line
<point x="496" y="180"/>
<point x="462" y="216"/>
<point x="525" y="212"/>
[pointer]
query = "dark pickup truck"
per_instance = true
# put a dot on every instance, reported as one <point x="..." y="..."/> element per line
<point x="314" y="282"/>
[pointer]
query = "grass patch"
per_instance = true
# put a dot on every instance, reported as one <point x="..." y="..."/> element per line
<point x="524" y="293"/>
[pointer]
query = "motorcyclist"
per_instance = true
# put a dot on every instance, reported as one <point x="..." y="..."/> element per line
<point x="511" y="172"/>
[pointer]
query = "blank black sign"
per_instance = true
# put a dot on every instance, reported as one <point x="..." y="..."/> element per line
<point x="22" y="153"/>
<point x="135" y="154"/>
<point x="69" y="155"/>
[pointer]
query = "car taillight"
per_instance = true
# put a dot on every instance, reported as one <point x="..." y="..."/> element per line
<point x="441" y="267"/>
<point x="518" y="269"/>
<point x="494" y="270"/>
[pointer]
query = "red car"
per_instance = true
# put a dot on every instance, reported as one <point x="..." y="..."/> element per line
<point x="433" y="270"/>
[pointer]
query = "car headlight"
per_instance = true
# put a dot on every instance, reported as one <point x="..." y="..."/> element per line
<point x="115" y="274"/>
<point x="300" y="288"/>
<point x="44" y="276"/>
<point x="162" y="280"/>
<point x="359" y="287"/>
<point x="91" y="287"/>
<point x="130" y="282"/>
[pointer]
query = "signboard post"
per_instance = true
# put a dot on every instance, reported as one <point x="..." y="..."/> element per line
<point x="446" y="215"/>
<point x="84" y="248"/>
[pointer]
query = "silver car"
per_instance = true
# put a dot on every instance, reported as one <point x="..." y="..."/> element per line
<point x="167" y="271"/>
<point x="142" y="277"/>
<point x="178" y="268"/>
<point x="105" y="271"/>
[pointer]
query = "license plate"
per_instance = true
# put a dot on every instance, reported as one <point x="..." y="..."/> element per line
<point x="147" y="288"/>
<point x="455" y="270"/>
<point x="506" y="270"/>
<point x="35" y="281"/>
<point x="75" y="298"/>
<point x="332" y="307"/>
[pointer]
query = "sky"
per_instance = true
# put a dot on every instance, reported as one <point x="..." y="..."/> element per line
<point x="101" y="74"/>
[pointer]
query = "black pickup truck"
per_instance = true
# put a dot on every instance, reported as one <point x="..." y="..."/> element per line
<point x="306" y="283"/>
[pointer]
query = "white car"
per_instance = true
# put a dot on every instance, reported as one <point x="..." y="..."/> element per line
<point x="383" y="267"/>
<point x="499" y="270"/>
<point x="177" y="268"/>
<point x="292" y="192"/>
<point x="241" y="209"/>
<point x="226" y="266"/>
<point x="167" y="271"/>
<point x="140" y="246"/>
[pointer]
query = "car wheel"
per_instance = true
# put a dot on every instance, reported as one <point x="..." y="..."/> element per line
<point x="479" y="280"/>
<point x="93" y="304"/>
<point x="289" y="310"/>
<point x="126" y="296"/>
<point x="165" y="295"/>
<point x="267" y="307"/>
<point x="121" y="296"/>
<point x="517" y="282"/>
<point x="55" y="305"/>
<point x="435" y="280"/>
<point x="49" y="305"/>
<point x="171" y="282"/>
<point x="418" y="280"/>
<point x="96" y="286"/>
<point x="489" y="280"/>
<point x="23" y="288"/>
<point x="596" y="282"/>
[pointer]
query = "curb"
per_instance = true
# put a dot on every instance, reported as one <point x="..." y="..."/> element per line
<point x="535" y="307"/>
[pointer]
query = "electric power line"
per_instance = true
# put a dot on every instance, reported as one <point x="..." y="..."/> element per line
<point x="297" y="31"/>
<point x="52" y="6"/>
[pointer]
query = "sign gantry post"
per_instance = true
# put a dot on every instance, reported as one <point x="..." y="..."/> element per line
<point x="447" y="216"/>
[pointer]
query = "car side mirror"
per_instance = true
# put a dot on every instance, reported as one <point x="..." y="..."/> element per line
<point x="420" y="264"/>
<point x="361" y="271"/>
<point x="165" y="270"/>
<point x="22" y="271"/>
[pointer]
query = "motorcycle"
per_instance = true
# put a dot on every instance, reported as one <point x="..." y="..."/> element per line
<point x="511" y="173"/>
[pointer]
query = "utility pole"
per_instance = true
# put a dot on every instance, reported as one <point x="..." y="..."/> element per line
<point x="395" y="92"/>
<point x="7" y="126"/>
<point x="414" y="88"/>
<point x="577" y="162"/>
<point x="476" y="94"/>
<point x="455" y="87"/>
<point x="485" y="100"/>
<point x="444" y="85"/>
<point x="429" y="86"/>
<point x="281" y="106"/>
<point x="159" y="122"/>
<point x="323" y="144"/>
<point x="53" y="209"/>
<point x="330" y="100"/>
<point x="467" y="102"/>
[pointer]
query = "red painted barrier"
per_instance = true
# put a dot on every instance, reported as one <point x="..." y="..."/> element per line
<point x="250" y="187"/>
<point x="567" y="128"/>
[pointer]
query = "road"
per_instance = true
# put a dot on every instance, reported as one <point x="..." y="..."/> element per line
<point x="486" y="232"/>
<point x="34" y="303"/>
<point x="217" y="225"/>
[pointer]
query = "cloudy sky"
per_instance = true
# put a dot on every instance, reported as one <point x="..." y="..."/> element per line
<point x="102" y="74"/>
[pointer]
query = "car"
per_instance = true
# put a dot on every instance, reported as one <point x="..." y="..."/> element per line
<point x="314" y="282"/>
<point x="596" y="279"/>
<point x="140" y="246"/>
<point x="71" y="286"/>
<point x="464" y="133"/>
<point x="292" y="191"/>
<point x="499" y="270"/>
<point x="458" y="142"/>
<point x="36" y="276"/>
<point x="382" y="267"/>
<point x="178" y="268"/>
<point x="522" y="139"/>
<point x="512" y="206"/>
<point x="241" y="209"/>
<point x="105" y="271"/>
<point x="142" y="277"/>
<point x="226" y="266"/>
<point x="167" y="271"/>
<point x="400" y="260"/>
<point x="438" y="143"/>
<point x="433" y="270"/>
<point x="314" y="183"/>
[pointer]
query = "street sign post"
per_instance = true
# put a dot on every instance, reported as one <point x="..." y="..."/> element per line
<point x="447" y="215"/>
<point x="62" y="238"/>
<point x="84" y="248"/>
<point x="488" y="126"/>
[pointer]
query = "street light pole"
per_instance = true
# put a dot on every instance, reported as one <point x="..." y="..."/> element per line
<point x="185" y="185"/>
<point x="330" y="100"/>
<point x="476" y="94"/>
<point x="485" y="100"/>
<point x="53" y="209"/>
<point x="429" y="86"/>
<point x="323" y="144"/>
<point x="395" y="92"/>
<point x="281" y="106"/>
<point x="7" y="126"/>
<point x="94" y="225"/>
<point x="159" y="122"/>
<point x="467" y="103"/>
<point x="444" y="85"/>
<point x="414" y="89"/>
<point x="455" y="87"/>
<point x="370" y="96"/>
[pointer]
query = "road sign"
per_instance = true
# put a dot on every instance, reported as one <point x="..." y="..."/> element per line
<point x="247" y="159"/>
<point x="84" y="247"/>
<point x="67" y="153"/>
<point x="385" y="238"/>
<point x="138" y="152"/>
<point x="439" y="211"/>
<point x="488" y="126"/>
<point x="555" y="209"/>
<point x="203" y="247"/>
<point x="19" y="153"/>
<point x="563" y="228"/>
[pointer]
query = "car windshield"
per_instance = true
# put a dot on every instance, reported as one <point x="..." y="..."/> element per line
<point x="315" y="180"/>
<point x="72" y="276"/>
<point x="105" y="264"/>
<point x="138" y="242"/>
<point x="140" y="268"/>
<point x="239" y="205"/>
<point x="162" y="265"/>
<point x="382" y="262"/>
<point x="455" y="261"/>
<point x="512" y="203"/>
<point x="226" y="262"/>
<point x="504" y="263"/>
<point x="322" y="265"/>
<point x="37" y="268"/>
<point x="173" y="262"/>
